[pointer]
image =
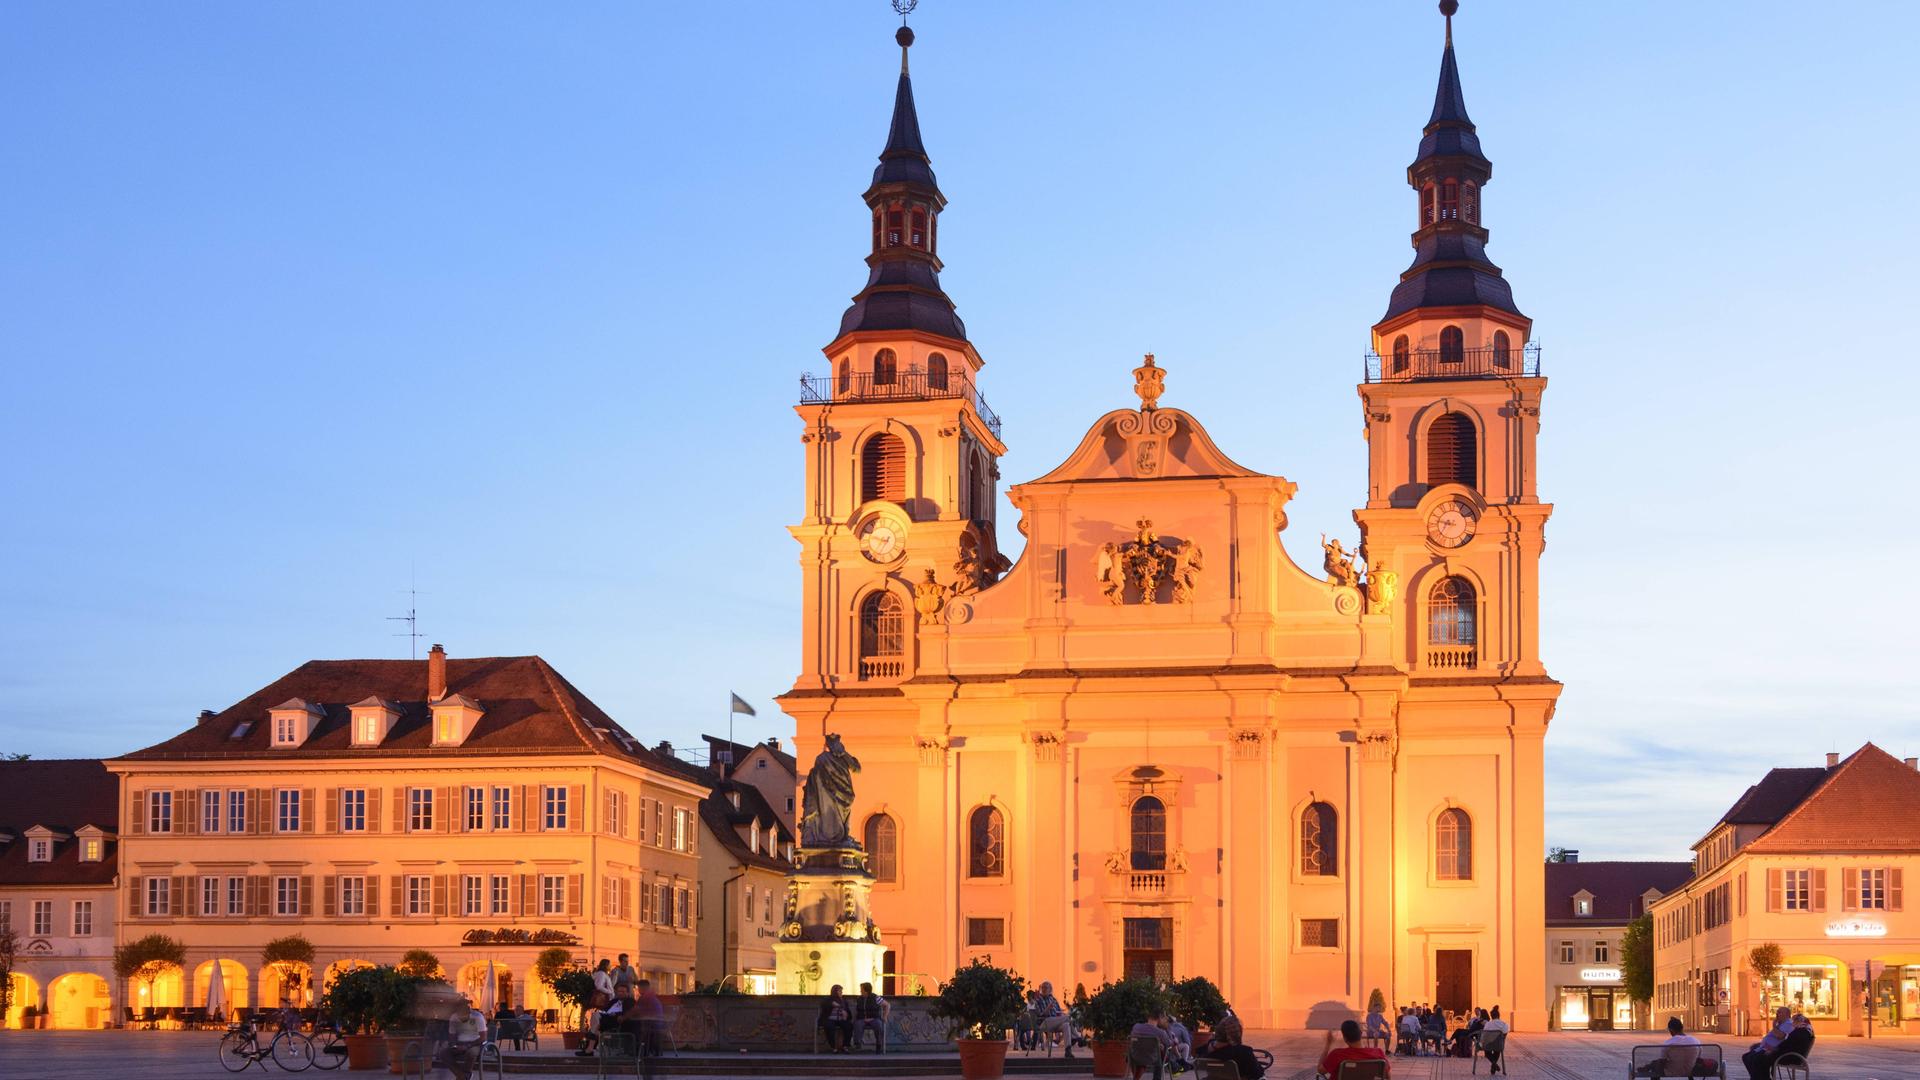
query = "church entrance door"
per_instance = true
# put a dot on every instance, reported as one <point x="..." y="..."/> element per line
<point x="1148" y="950"/>
<point x="1453" y="979"/>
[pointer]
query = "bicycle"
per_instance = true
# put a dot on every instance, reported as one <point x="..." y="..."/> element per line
<point x="289" y="1049"/>
<point x="329" y="1049"/>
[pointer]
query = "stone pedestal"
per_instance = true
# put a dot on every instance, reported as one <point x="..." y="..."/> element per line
<point x="828" y="935"/>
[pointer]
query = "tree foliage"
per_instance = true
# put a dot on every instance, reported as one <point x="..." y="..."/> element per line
<point x="981" y="1001"/>
<point x="9" y="947"/>
<point x="292" y="949"/>
<point x="1764" y="959"/>
<point x="419" y="963"/>
<point x="551" y="964"/>
<point x="1114" y="1008"/>
<point x="1196" y="1002"/>
<point x="148" y="958"/>
<point x="1636" y="958"/>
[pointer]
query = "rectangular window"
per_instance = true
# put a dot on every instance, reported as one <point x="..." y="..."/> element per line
<point x="287" y="810"/>
<point x="982" y="933"/>
<point x="679" y="829"/>
<point x="159" y="811"/>
<point x="236" y="811"/>
<point x="1873" y="890"/>
<point x="553" y="894"/>
<point x="210" y="811"/>
<point x="83" y="918"/>
<point x="159" y="895"/>
<point x="610" y="896"/>
<point x="353" y="895"/>
<point x="553" y="815"/>
<point x="616" y="822"/>
<point x="282" y="730"/>
<point x="473" y="895"/>
<point x="476" y="809"/>
<point x="683" y="912"/>
<point x="6" y="913"/>
<point x="1566" y="952"/>
<point x="1798" y="891"/>
<point x="286" y="896"/>
<point x="209" y="896"/>
<point x="1602" y="952"/>
<point x="659" y="823"/>
<point x="236" y="896"/>
<point x="43" y="918"/>
<point x="663" y="905"/>
<point x="502" y="808"/>
<point x="497" y="894"/>
<point x="40" y="851"/>
<point x="1319" y="933"/>
<point x="419" y="894"/>
<point x="91" y="851"/>
<point x="420" y="809"/>
<point x="353" y="809"/>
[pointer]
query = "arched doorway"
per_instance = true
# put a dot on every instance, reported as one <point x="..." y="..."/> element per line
<point x="339" y="968"/>
<point x="472" y="981"/>
<point x="79" y="1001"/>
<point x="233" y="984"/>
<point x="286" y="985"/>
<point x="26" y="995"/>
<point x="168" y="990"/>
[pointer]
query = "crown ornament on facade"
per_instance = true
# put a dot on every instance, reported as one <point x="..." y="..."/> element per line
<point x="1149" y="380"/>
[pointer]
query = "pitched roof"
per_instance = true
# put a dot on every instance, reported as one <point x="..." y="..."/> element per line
<point x="715" y="744"/>
<point x="63" y="795"/>
<point x="1777" y="793"/>
<point x="723" y="820"/>
<point x="1868" y="803"/>
<point x="529" y="709"/>
<point x="1616" y="888"/>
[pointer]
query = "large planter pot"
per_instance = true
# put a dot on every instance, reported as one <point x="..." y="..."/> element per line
<point x="1109" y="1057"/>
<point x="571" y="1040"/>
<point x="983" y="1059"/>
<point x="366" y="1051"/>
<point x="397" y="1050"/>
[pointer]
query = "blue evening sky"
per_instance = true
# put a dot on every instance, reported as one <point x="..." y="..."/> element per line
<point x="303" y="302"/>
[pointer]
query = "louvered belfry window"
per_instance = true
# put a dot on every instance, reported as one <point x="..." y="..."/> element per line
<point x="1451" y="451"/>
<point x="883" y="469"/>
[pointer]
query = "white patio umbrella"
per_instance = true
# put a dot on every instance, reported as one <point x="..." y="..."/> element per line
<point x="217" y="990"/>
<point x="486" y="992"/>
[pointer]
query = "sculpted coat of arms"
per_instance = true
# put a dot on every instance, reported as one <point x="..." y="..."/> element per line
<point x="1144" y="562"/>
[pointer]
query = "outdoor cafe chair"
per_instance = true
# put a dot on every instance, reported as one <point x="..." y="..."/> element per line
<point x="1211" y="1069"/>
<point x="1491" y="1045"/>
<point x="1791" y="1067"/>
<point x="1144" y="1053"/>
<point x="1362" y="1070"/>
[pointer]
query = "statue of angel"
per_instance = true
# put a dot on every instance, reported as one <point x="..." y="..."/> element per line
<point x="1106" y="571"/>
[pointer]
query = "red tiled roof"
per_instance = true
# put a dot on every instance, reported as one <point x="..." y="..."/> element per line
<point x="62" y="795"/>
<point x="529" y="709"/>
<point x="715" y="744"/>
<point x="1868" y="803"/>
<point x="1770" y="800"/>
<point x="1616" y="888"/>
<point x="722" y="819"/>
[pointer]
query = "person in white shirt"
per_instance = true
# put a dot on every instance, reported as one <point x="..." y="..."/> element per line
<point x="1493" y="1040"/>
<point x="466" y="1031"/>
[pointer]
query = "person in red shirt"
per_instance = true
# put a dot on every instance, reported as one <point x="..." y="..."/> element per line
<point x="1353" y="1051"/>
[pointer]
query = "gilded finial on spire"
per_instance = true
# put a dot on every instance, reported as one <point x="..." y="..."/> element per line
<point x="905" y="34"/>
<point x="1148" y="381"/>
<point x="1447" y="8"/>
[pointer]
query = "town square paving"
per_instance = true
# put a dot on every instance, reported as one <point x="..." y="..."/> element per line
<point x="76" y="1055"/>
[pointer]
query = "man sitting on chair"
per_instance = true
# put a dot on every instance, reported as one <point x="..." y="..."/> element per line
<point x="1799" y="1041"/>
<point x="1049" y="1017"/>
<point x="1350" y="1033"/>
<point x="1225" y="1045"/>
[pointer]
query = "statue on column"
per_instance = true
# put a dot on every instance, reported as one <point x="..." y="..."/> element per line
<point x="826" y="810"/>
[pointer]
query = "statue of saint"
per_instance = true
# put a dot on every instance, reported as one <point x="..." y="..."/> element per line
<point x="827" y="807"/>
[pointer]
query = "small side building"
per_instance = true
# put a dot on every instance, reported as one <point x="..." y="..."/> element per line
<point x="1589" y="905"/>
<point x="765" y="766"/>
<point x="743" y="880"/>
<point x="59" y="860"/>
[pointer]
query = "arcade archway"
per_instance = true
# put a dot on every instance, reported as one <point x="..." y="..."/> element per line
<point x="79" y="1001"/>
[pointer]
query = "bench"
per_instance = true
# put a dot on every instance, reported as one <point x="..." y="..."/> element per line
<point x="1663" y="1062"/>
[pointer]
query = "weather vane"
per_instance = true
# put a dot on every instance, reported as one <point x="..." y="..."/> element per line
<point x="905" y="8"/>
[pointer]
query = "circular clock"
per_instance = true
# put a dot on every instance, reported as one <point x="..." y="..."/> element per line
<point x="1450" y="524"/>
<point x="881" y="539"/>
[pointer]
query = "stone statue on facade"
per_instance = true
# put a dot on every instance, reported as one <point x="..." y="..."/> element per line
<point x="1339" y="564"/>
<point x="1187" y="564"/>
<point x="827" y="807"/>
<point x="1145" y="561"/>
<point x="929" y="597"/>
<point x="1106" y="571"/>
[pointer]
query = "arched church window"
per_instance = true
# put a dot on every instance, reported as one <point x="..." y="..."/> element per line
<point x="1148" y="829"/>
<point x="883" y="848"/>
<point x="1451" y="453"/>
<point x="895" y="219"/>
<point x="1502" y="349"/>
<point x="982" y="488"/>
<point x="1449" y="200"/>
<point x="1453" y="845"/>
<point x="919" y="233"/>
<point x="1319" y="841"/>
<point x="1402" y="354"/>
<point x="1453" y="345"/>
<point x="886" y="367"/>
<point x="936" y="372"/>
<point x="1452" y="631"/>
<point x="883" y="469"/>
<point x="883" y="636"/>
<point x="986" y="843"/>
<point x="1426" y="205"/>
<point x="846" y="376"/>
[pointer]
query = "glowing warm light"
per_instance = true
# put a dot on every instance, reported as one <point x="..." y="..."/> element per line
<point x="1611" y="974"/>
<point x="1856" y="928"/>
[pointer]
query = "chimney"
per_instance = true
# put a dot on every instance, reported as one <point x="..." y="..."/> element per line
<point x="436" y="672"/>
<point x="1833" y="760"/>
<point x="1912" y="763"/>
<point x="206" y="717"/>
<point x="1571" y="854"/>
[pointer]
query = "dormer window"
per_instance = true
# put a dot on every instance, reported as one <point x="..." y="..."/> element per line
<point x="1583" y="904"/>
<point x="753" y="837"/>
<point x="373" y="719"/>
<point x="454" y="719"/>
<point x="91" y="850"/>
<point x="39" y="850"/>
<point x="293" y="721"/>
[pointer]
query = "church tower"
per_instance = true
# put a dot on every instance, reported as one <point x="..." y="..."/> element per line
<point x="1452" y="403"/>
<point x="901" y="450"/>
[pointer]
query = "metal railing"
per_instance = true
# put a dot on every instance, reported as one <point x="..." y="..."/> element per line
<point x="1482" y="363"/>
<point x="912" y="384"/>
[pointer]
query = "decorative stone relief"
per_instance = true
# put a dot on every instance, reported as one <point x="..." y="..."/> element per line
<point x="1346" y="600"/>
<point x="1149" y="380"/>
<point x="1378" y="745"/>
<point x="1249" y="744"/>
<point x="1046" y="746"/>
<point x="929" y="597"/>
<point x="933" y="751"/>
<point x="1144" y="562"/>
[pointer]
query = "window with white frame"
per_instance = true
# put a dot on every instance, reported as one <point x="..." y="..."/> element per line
<point x="43" y="918"/>
<point x="286" y="895"/>
<point x="236" y="895"/>
<point x="753" y="836"/>
<point x="498" y="894"/>
<point x="287" y="810"/>
<point x="353" y="809"/>
<point x="159" y="811"/>
<point x="476" y="801"/>
<point x="663" y="905"/>
<point x="236" y="811"/>
<point x="159" y="894"/>
<point x="1873" y="890"/>
<point x="610" y="896"/>
<point x="1566" y="952"/>
<point x="682" y="910"/>
<point x="353" y="894"/>
<point x="473" y="897"/>
<point x="1601" y="952"/>
<point x="553" y="808"/>
<point x="679" y="829"/>
<point x="502" y="808"/>
<point x="83" y="918"/>
<point x="420" y="809"/>
<point x="553" y="894"/>
<point x="283" y="730"/>
<point x="209" y="896"/>
<point x="616" y="822"/>
<point x="210" y="807"/>
<point x="39" y="850"/>
<point x="419" y="894"/>
<point x="1798" y="889"/>
<point x="92" y="850"/>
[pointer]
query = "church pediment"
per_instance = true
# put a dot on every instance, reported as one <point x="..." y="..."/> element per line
<point x="1147" y="443"/>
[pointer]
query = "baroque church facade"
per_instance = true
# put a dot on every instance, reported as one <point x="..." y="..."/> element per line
<point x="1158" y="743"/>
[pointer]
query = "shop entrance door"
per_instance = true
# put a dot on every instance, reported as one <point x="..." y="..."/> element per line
<point x="1453" y="979"/>
<point x="1600" y="1009"/>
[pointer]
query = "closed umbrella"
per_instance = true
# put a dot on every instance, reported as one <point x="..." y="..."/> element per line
<point x="217" y="990"/>
<point x="486" y="992"/>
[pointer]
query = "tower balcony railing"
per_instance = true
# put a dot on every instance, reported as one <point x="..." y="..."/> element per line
<point x="912" y="384"/>
<point x="1416" y="365"/>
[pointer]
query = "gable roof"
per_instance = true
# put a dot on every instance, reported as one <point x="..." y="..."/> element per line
<point x="1868" y="803"/>
<point x="530" y="709"/>
<point x="1773" y="797"/>
<point x="721" y="819"/>
<point x="1616" y="888"/>
<point x="64" y="795"/>
<point x="715" y="744"/>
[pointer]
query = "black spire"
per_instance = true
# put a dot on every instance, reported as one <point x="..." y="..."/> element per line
<point x="903" y="282"/>
<point x="1450" y="264"/>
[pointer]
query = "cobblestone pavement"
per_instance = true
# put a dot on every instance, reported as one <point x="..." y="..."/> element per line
<point x="118" y="1055"/>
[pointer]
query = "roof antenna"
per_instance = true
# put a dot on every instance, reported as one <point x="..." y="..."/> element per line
<point x="1447" y="8"/>
<point x="904" y="35"/>
<point x="412" y="619"/>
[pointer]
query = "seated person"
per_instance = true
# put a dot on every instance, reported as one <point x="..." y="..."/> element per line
<point x="1433" y="1029"/>
<point x="870" y="1012"/>
<point x="611" y="1020"/>
<point x="1493" y="1041"/>
<point x="1799" y="1040"/>
<point x="1462" y="1038"/>
<point x="1226" y="1045"/>
<point x="1409" y="1032"/>
<point x="1153" y="1027"/>
<point x="466" y="1031"/>
<point x="1377" y="1026"/>
<point x="1681" y="1053"/>
<point x="1330" y="1057"/>
<point x="1048" y="1017"/>
<point x="836" y="1021"/>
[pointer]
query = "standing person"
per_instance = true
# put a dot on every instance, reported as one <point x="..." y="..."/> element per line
<point x="623" y="973"/>
<point x="602" y="997"/>
<point x="1330" y="1058"/>
<point x="870" y="1013"/>
<point x="836" y="1019"/>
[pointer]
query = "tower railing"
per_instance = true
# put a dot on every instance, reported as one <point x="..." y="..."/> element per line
<point x="1415" y="365"/>
<point x="912" y="384"/>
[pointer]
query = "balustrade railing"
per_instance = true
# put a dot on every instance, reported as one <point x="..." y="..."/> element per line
<point x="882" y="667"/>
<point x="1453" y="657"/>
<point x="911" y="384"/>
<point x="1480" y="363"/>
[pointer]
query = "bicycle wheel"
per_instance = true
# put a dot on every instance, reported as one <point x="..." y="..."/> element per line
<point x="236" y="1051"/>
<point x="329" y="1050"/>
<point x="292" y="1051"/>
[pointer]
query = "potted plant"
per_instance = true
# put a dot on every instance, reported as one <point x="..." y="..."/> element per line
<point x="979" y="1004"/>
<point x="1111" y="1013"/>
<point x="574" y="988"/>
<point x="1197" y="1003"/>
<point x="419" y="963"/>
<point x="367" y="1003"/>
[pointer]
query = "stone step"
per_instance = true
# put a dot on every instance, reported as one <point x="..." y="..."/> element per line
<point x="696" y="1063"/>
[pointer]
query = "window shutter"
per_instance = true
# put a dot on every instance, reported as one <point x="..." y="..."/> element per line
<point x="1776" y="891"/>
<point x="575" y="884"/>
<point x="466" y="795"/>
<point x="400" y="822"/>
<point x="373" y="809"/>
<point x="693" y="832"/>
<point x="260" y="901"/>
<point x="327" y="889"/>
<point x="399" y="894"/>
<point x="137" y="814"/>
<point x="372" y="893"/>
<point x="1849" y="889"/>
<point x="186" y="811"/>
<point x="176" y="890"/>
<point x="626" y="899"/>
<point x="1893" y="888"/>
<point x="1819" y="877"/>
<point x="333" y="811"/>
<point x="308" y="811"/>
<point x="646" y="902"/>
<point x="136" y="900"/>
<point x="577" y="808"/>
<point x="529" y="808"/>
<point x="192" y="905"/>
<point x="306" y="894"/>
<point x="257" y="803"/>
<point x="440" y="894"/>
<point x="646" y="811"/>
<point x="529" y="901"/>
<point x="443" y="810"/>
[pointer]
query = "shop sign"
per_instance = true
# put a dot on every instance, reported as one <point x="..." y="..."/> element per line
<point x="1856" y="928"/>
<point x="1606" y="975"/>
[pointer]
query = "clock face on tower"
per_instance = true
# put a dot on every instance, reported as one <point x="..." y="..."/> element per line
<point x="881" y="539"/>
<point x="1451" y="523"/>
